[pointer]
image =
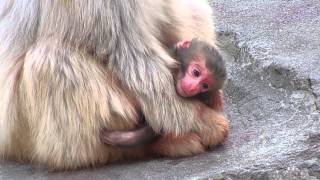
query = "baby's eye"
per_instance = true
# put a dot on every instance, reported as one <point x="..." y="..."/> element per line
<point x="196" y="73"/>
<point x="205" y="85"/>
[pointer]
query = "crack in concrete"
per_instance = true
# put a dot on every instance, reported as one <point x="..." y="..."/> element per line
<point x="314" y="94"/>
<point x="242" y="56"/>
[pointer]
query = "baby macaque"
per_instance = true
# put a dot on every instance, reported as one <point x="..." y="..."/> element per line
<point x="202" y="72"/>
<point x="201" y="75"/>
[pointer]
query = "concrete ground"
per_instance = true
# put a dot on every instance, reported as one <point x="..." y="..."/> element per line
<point x="272" y="101"/>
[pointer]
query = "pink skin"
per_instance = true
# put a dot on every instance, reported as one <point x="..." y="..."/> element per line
<point x="197" y="79"/>
<point x="183" y="43"/>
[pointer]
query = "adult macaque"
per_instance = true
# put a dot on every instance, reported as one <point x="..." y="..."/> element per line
<point x="69" y="69"/>
<point x="201" y="75"/>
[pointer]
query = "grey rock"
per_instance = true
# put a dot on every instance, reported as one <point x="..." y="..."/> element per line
<point x="272" y="101"/>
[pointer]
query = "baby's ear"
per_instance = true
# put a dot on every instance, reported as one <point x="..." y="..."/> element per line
<point x="183" y="44"/>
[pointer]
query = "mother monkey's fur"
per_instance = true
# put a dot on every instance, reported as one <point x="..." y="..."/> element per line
<point x="68" y="69"/>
